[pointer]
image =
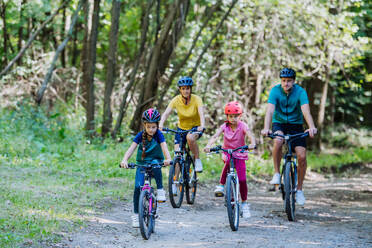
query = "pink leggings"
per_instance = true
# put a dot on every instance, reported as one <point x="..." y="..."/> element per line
<point x="242" y="176"/>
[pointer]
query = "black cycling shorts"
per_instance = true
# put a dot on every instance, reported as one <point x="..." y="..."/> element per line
<point x="291" y="129"/>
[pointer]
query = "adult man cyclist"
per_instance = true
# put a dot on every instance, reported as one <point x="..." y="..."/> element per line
<point x="288" y="104"/>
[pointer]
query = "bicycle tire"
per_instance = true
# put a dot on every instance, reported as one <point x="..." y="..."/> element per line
<point x="232" y="202"/>
<point x="289" y="192"/>
<point x="191" y="182"/>
<point x="175" y="198"/>
<point x="145" y="218"/>
<point x="154" y="208"/>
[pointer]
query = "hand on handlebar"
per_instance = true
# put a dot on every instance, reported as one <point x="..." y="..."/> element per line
<point x="312" y="131"/>
<point x="266" y="132"/>
<point x="200" y="129"/>
<point x="124" y="164"/>
<point x="167" y="162"/>
<point x="252" y="146"/>
<point x="207" y="149"/>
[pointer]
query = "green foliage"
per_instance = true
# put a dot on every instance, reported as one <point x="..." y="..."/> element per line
<point x="51" y="178"/>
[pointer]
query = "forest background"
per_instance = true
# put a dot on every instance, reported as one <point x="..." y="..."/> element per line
<point x="76" y="75"/>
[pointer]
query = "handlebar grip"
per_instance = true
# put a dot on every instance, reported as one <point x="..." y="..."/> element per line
<point x="215" y="149"/>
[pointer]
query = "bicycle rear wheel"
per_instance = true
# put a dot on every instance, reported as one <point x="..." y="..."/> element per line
<point x="191" y="181"/>
<point x="290" y="199"/>
<point x="175" y="188"/>
<point x="232" y="202"/>
<point x="146" y="219"/>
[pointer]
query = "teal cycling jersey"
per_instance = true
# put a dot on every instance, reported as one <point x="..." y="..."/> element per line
<point x="288" y="107"/>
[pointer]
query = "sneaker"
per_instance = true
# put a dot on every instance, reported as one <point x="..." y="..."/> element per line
<point x="276" y="179"/>
<point x="198" y="165"/>
<point x="219" y="191"/>
<point x="300" y="198"/>
<point x="161" y="195"/>
<point x="135" y="222"/>
<point x="174" y="188"/>
<point x="245" y="210"/>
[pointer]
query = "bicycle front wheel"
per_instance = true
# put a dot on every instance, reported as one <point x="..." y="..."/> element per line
<point x="232" y="202"/>
<point x="192" y="182"/>
<point x="146" y="219"/>
<point x="290" y="199"/>
<point x="175" y="188"/>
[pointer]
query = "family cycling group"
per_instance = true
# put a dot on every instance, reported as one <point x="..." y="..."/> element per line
<point x="288" y="105"/>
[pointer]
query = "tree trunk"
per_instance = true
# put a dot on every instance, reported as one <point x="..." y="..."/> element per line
<point x="111" y="67"/>
<point x="75" y="52"/>
<point x="63" y="31"/>
<point x="88" y="75"/>
<point x="179" y="66"/>
<point x="31" y="39"/>
<point x="144" y="31"/>
<point x="61" y="47"/>
<point x="20" y="30"/>
<point x="5" y="31"/>
<point x="160" y="56"/>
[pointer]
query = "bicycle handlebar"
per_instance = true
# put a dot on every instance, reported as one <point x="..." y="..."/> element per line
<point x="152" y="166"/>
<point x="230" y="151"/>
<point x="289" y="137"/>
<point x="193" y="130"/>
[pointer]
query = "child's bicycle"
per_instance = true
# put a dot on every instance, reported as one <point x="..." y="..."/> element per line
<point x="183" y="168"/>
<point x="147" y="200"/>
<point x="232" y="189"/>
<point x="288" y="186"/>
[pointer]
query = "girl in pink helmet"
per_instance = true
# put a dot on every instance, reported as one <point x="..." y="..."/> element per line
<point x="234" y="131"/>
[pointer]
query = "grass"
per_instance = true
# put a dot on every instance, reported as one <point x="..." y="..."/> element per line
<point x="52" y="178"/>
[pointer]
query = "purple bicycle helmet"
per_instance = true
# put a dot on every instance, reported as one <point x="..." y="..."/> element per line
<point x="151" y="115"/>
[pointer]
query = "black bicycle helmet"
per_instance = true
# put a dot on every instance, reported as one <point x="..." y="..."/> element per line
<point x="287" y="73"/>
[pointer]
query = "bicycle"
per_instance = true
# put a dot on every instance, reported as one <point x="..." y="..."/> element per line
<point x="232" y="188"/>
<point x="147" y="200"/>
<point x="289" y="172"/>
<point x="183" y="168"/>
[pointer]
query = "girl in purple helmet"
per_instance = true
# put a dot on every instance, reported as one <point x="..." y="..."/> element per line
<point x="151" y="149"/>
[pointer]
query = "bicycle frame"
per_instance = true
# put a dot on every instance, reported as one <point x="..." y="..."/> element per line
<point x="289" y="173"/>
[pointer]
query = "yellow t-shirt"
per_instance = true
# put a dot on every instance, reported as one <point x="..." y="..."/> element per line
<point x="188" y="115"/>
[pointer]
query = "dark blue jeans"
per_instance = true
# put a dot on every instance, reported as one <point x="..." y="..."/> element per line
<point x="140" y="180"/>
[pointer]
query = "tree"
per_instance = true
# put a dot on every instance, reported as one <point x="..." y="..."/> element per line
<point x="111" y="67"/>
<point x="89" y="65"/>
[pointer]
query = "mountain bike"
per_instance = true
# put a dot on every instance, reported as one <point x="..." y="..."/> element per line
<point x="182" y="175"/>
<point x="288" y="175"/>
<point x="232" y="188"/>
<point x="147" y="200"/>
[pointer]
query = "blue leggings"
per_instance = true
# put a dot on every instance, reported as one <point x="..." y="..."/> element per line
<point x="140" y="180"/>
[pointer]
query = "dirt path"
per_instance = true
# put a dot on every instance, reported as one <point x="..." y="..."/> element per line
<point x="338" y="213"/>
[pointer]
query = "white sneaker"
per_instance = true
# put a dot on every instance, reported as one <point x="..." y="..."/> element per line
<point x="245" y="210"/>
<point x="219" y="191"/>
<point x="198" y="165"/>
<point x="161" y="195"/>
<point x="300" y="198"/>
<point x="276" y="179"/>
<point x="174" y="188"/>
<point x="135" y="222"/>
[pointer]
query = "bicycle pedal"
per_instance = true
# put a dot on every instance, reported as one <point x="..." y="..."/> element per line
<point x="161" y="201"/>
<point x="219" y="194"/>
